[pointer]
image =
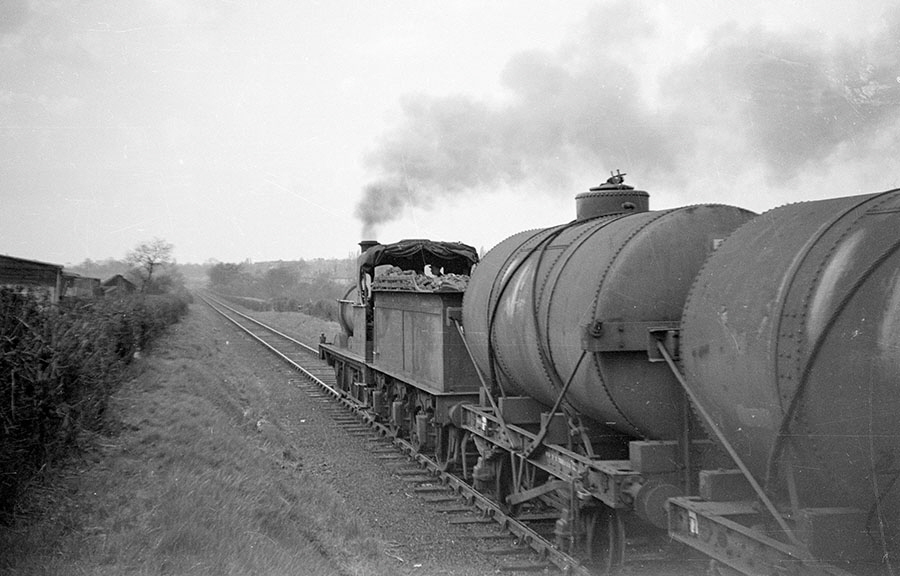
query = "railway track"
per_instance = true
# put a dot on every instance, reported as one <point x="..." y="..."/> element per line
<point x="524" y="539"/>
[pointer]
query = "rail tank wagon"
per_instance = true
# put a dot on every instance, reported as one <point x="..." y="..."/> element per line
<point x="619" y="270"/>
<point x="791" y="342"/>
<point x="576" y="361"/>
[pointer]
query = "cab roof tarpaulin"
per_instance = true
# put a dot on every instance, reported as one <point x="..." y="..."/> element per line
<point x="453" y="257"/>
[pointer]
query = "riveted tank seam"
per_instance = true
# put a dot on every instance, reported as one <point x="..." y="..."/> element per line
<point x="596" y="303"/>
<point x="700" y="274"/>
<point x="791" y="275"/>
<point x="803" y="372"/>
<point x="539" y="239"/>
<point x="606" y="194"/>
<point x="782" y="433"/>
<point x="692" y="291"/>
<point x="504" y="277"/>
<point x="792" y="333"/>
<point x="543" y="344"/>
<point x="794" y="369"/>
<point x="499" y="274"/>
<point x="799" y="319"/>
<point x="544" y="348"/>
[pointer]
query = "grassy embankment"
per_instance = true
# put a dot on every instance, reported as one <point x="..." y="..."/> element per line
<point x="182" y="483"/>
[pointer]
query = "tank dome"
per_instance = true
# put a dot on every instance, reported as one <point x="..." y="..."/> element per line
<point x="611" y="197"/>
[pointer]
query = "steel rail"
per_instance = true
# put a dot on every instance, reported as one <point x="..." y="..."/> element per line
<point x="482" y="504"/>
<point x="209" y="301"/>
<point x="260" y="324"/>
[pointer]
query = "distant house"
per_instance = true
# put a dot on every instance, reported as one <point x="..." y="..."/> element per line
<point x="118" y="285"/>
<point x="32" y="276"/>
<point x="81" y="287"/>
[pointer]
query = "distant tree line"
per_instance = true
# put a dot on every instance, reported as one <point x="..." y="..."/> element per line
<point x="309" y="286"/>
<point x="149" y="265"/>
<point x="284" y="287"/>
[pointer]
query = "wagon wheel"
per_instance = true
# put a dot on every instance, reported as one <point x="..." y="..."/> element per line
<point x="597" y="536"/>
<point x="591" y="530"/>
<point x="464" y="443"/>
<point x="614" y="546"/>
<point x="503" y="484"/>
<point x="604" y="537"/>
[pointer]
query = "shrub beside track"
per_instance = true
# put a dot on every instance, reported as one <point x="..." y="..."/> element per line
<point x="58" y="366"/>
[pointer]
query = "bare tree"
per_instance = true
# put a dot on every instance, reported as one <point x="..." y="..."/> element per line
<point x="148" y="257"/>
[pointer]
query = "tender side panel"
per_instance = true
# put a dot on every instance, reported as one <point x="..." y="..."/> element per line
<point x="415" y="340"/>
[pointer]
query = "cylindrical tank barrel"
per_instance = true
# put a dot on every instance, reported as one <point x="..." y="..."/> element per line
<point x="530" y="300"/>
<point x="791" y="341"/>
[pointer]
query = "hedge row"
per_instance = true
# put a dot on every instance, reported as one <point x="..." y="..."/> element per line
<point x="256" y="304"/>
<point x="58" y="367"/>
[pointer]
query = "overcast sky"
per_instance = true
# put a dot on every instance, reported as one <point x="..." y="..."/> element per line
<point x="286" y="129"/>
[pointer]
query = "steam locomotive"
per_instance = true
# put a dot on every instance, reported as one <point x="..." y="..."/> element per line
<point x="732" y="379"/>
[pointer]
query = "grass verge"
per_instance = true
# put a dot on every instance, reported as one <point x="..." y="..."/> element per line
<point x="181" y="482"/>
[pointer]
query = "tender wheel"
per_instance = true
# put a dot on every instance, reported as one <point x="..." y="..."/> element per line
<point x="418" y="433"/>
<point x="443" y="446"/>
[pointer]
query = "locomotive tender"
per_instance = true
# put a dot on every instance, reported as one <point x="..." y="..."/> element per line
<point x="730" y="378"/>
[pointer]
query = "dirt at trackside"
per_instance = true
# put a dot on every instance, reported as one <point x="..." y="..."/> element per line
<point x="417" y="539"/>
<point x="216" y="463"/>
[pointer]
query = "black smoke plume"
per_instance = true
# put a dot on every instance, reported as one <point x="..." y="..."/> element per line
<point x="751" y="99"/>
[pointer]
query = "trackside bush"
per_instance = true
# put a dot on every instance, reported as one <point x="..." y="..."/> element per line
<point x="256" y="304"/>
<point x="58" y="367"/>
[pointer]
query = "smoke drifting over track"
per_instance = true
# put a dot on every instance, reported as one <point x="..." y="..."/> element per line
<point x="767" y="106"/>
